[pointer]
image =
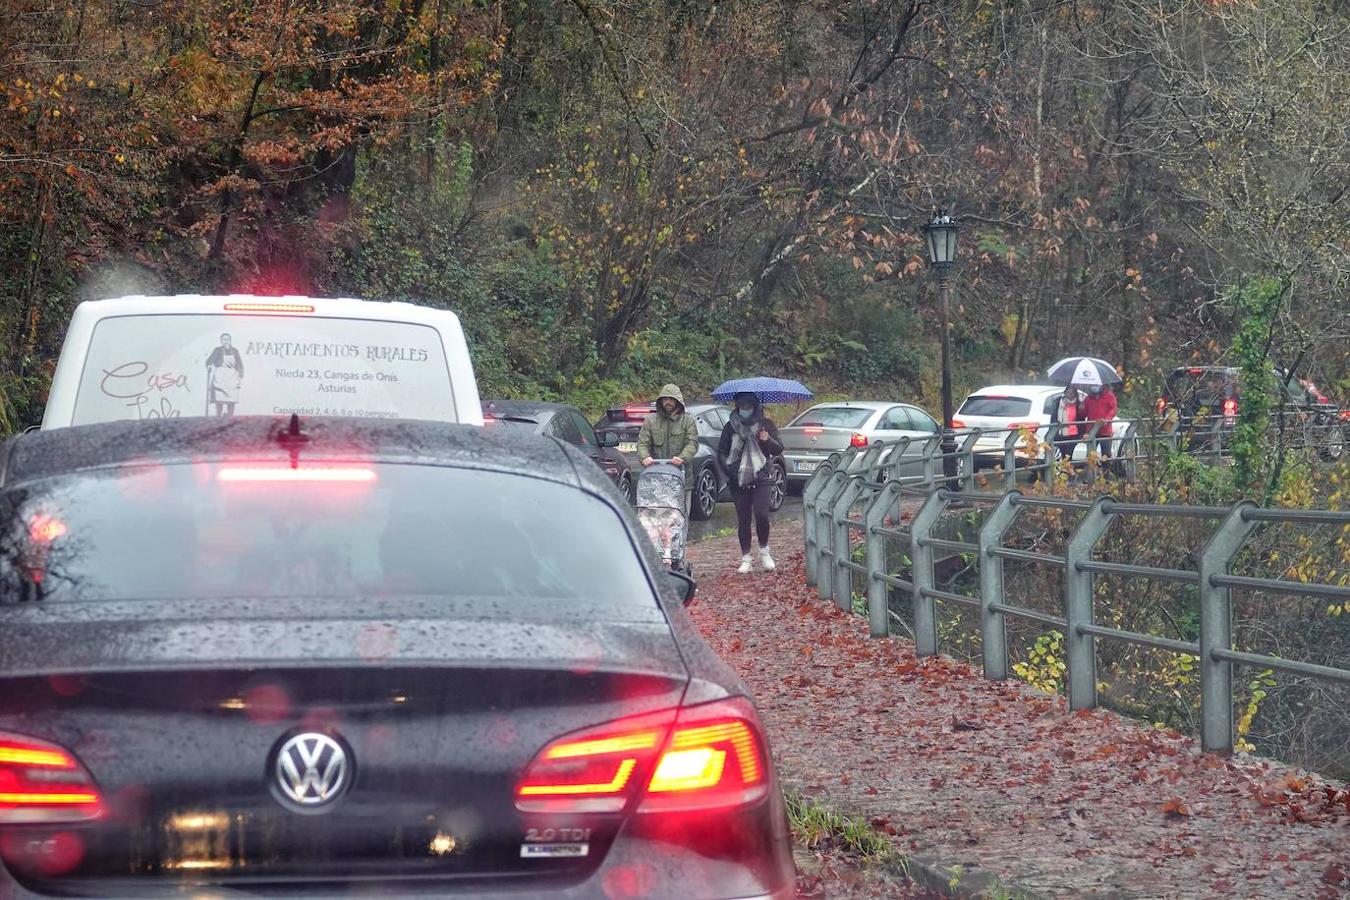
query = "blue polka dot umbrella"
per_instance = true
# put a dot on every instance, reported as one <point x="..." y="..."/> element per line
<point x="769" y="390"/>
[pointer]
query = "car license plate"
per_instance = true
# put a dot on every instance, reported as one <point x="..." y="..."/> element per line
<point x="628" y="447"/>
<point x="805" y="466"/>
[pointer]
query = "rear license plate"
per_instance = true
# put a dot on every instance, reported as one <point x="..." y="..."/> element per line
<point x="805" y="466"/>
<point x="628" y="447"/>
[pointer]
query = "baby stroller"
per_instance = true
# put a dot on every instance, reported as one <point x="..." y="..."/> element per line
<point x="660" y="509"/>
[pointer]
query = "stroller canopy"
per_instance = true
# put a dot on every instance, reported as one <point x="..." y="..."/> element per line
<point x="661" y="486"/>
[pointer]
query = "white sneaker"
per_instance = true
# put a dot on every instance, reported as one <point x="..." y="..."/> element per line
<point x="745" y="565"/>
<point x="766" y="560"/>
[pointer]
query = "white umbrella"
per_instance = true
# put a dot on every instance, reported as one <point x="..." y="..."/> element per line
<point x="1085" y="370"/>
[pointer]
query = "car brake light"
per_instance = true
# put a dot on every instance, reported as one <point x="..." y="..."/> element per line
<point x="1195" y="371"/>
<point x="593" y="770"/>
<point x="270" y="307"/>
<point x="701" y="757"/>
<point x="273" y="474"/>
<point x="1230" y="407"/>
<point x="813" y="430"/>
<point x="858" y="440"/>
<point x="1024" y="426"/>
<point x="958" y="424"/>
<point x="714" y="759"/>
<point x="1345" y="415"/>
<point x="42" y="783"/>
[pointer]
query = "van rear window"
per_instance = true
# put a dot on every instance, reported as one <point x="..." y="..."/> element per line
<point x="171" y="365"/>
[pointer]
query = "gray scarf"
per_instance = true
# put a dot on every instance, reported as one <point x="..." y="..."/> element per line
<point x="747" y="465"/>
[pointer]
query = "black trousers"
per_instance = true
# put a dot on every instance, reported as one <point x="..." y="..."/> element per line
<point x="757" y="499"/>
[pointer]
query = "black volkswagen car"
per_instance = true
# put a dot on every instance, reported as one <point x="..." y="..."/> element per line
<point x="325" y="657"/>
<point x="710" y="481"/>
<point x="566" y="423"/>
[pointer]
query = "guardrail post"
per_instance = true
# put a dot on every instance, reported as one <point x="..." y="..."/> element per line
<point x="921" y="556"/>
<point x="1216" y="630"/>
<point x="1080" y="648"/>
<point x="868" y="458"/>
<point x="1129" y="465"/>
<point x="966" y="462"/>
<point x="843" y="575"/>
<point x="1010" y="459"/>
<point x="878" y="593"/>
<point x="1091" y="469"/>
<point x="890" y="469"/>
<point x="993" y="637"/>
<point x="825" y="531"/>
<point x="1216" y="441"/>
<point x="810" y="494"/>
<point x="930" y="461"/>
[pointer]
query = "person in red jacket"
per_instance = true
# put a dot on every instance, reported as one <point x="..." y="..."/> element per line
<point x="1100" y="406"/>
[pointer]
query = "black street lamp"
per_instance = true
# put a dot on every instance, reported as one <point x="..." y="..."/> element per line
<point x="941" y="233"/>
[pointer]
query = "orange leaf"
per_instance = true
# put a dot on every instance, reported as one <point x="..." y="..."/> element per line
<point x="1176" y="808"/>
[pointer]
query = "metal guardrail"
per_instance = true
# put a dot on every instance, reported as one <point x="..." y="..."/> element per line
<point x="860" y="481"/>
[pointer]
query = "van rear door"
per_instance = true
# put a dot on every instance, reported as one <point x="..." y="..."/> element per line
<point x="148" y="358"/>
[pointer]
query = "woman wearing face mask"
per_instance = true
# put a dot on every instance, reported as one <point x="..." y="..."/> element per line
<point x="748" y="445"/>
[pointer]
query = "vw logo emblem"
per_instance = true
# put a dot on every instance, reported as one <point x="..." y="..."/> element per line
<point x="312" y="769"/>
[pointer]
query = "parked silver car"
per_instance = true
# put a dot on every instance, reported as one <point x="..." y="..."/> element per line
<point x="829" y="427"/>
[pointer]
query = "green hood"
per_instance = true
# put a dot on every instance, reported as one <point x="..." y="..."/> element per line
<point x="672" y="391"/>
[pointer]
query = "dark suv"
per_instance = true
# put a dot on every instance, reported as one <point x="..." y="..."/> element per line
<point x="1201" y="396"/>
<point x="710" y="482"/>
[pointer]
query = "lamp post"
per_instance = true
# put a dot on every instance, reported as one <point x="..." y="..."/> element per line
<point x="941" y="234"/>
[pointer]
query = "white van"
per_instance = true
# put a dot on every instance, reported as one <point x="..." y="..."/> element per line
<point x="190" y="355"/>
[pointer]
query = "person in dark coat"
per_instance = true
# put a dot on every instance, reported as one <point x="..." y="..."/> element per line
<point x="746" y="451"/>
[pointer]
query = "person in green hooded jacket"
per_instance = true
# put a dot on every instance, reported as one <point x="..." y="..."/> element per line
<point x="669" y="434"/>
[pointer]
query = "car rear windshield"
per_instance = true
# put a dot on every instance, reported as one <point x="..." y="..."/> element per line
<point x="995" y="406"/>
<point x="1199" y="385"/>
<point x="341" y="530"/>
<point x="170" y="365"/>
<point x="832" y="417"/>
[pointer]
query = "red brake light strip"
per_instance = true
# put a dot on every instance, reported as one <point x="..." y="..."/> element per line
<point x="43" y="783"/>
<point x="275" y="474"/>
<point x="270" y="307"/>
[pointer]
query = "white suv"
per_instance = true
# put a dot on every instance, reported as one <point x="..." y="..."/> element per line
<point x="1004" y="406"/>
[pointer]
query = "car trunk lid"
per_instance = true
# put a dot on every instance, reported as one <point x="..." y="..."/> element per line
<point x="180" y="723"/>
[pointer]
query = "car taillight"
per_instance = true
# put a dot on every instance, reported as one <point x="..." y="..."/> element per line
<point x="1344" y="415"/>
<point x="715" y="759"/>
<point x="702" y="757"/>
<point x="1024" y="426"/>
<point x="812" y="429"/>
<point x="858" y="440"/>
<point x="41" y="782"/>
<point x="1230" y="408"/>
<point x="958" y="424"/>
